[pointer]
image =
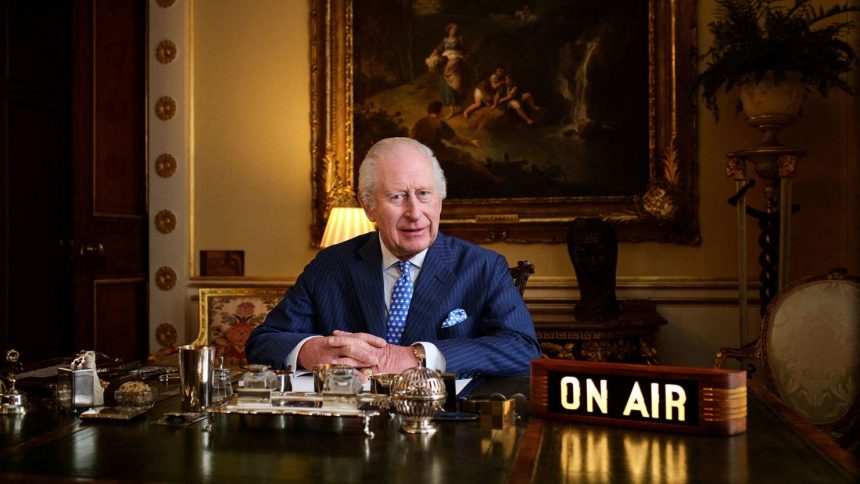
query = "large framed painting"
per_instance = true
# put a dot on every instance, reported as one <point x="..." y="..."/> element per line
<point x="540" y="112"/>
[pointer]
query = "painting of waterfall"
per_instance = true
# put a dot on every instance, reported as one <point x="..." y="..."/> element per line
<point x="543" y="99"/>
<point x="539" y="111"/>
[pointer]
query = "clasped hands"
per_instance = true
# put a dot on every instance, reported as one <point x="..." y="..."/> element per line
<point x="361" y="350"/>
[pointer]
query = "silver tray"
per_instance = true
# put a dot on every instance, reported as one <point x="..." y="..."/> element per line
<point x="305" y="404"/>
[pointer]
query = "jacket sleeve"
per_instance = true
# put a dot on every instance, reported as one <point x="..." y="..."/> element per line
<point x="291" y="321"/>
<point x="504" y="340"/>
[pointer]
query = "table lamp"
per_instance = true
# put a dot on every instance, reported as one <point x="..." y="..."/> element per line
<point x="345" y="223"/>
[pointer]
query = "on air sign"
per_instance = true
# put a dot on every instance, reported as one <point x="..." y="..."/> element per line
<point x="691" y="400"/>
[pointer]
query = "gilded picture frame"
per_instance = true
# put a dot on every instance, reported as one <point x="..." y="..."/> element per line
<point x="665" y="209"/>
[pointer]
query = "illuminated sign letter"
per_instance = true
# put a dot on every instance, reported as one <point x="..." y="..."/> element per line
<point x="599" y="397"/>
<point x="565" y="398"/>
<point x="636" y="402"/>
<point x="655" y="400"/>
<point x="675" y="397"/>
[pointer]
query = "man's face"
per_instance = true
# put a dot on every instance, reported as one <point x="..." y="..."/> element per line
<point x="407" y="204"/>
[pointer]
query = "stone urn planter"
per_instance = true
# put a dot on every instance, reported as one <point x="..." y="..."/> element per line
<point x="770" y="105"/>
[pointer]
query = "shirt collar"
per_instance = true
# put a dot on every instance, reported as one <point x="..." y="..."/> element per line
<point x="388" y="259"/>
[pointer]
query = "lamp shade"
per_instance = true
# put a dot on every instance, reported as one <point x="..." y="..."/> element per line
<point x="345" y="223"/>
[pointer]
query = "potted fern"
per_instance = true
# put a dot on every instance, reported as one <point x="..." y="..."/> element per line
<point x="772" y="46"/>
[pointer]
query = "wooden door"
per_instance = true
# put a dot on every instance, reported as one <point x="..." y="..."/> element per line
<point x="73" y="249"/>
<point x="110" y="230"/>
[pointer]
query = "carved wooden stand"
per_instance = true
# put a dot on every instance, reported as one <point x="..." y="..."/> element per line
<point x="629" y="338"/>
<point x="775" y="165"/>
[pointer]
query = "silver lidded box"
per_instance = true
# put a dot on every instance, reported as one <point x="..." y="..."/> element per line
<point x="418" y="394"/>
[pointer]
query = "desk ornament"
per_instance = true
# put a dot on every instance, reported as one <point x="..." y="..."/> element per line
<point x="380" y="383"/>
<point x="265" y="392"/>
<point x="222" y="382"/>
<point x="321" y="373"/>
<point x="134" y="398"/>
<point x="418" y="394"/>
<point x="256" y="384"/>
<point x="12" y="401"/>
<point x="78" y="384"/>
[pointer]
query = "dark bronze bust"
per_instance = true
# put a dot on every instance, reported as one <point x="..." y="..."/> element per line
<point x="593" y="249"/>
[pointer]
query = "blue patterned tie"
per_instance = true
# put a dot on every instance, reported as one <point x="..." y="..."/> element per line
<point x="401" y="296"/>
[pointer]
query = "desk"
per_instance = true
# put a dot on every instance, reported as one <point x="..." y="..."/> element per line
<point x="44" y="445"/>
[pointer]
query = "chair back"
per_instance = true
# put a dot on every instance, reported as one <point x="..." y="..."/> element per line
<point x="228" y="315"/>
<point x="521" y="273"/>
<point x="810" y="344"/>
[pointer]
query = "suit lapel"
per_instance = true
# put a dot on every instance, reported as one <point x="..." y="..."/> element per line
<point x="434" y="282"/>
<point x="366" y="276"/>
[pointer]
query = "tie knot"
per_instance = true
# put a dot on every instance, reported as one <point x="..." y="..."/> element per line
<point x="403" y="265"/>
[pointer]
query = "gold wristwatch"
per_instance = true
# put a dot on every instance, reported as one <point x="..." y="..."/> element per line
<point x="418" y="350"/>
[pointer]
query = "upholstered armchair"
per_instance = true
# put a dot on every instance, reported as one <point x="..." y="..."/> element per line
<point x="228" y="315"/>
<point x="810" y="346"/>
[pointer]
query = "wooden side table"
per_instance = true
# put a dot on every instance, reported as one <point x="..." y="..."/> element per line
<point x="629" y="338"/>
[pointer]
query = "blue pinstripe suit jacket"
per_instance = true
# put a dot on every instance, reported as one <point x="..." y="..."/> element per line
<point x="342" y="289"/>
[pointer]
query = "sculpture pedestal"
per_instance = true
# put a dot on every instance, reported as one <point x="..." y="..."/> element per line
<point x="629" y="338"/>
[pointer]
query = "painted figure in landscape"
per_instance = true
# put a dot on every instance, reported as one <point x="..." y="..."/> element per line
<point x="451" y="56"/>
<point x="545" y="111"/>
<point x="436" y="134"/>
<point x="511" y="98"/>
<point x="487" y="93"/>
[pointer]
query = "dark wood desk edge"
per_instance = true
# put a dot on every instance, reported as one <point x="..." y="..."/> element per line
<point x="813" y="434"/>
<point x="41" y="439"/>
<point x="527" y="456"/>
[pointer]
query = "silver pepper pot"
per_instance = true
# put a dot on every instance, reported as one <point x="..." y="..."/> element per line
<point x="418" y="394"/>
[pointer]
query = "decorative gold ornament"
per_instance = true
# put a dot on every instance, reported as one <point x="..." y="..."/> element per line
<point x="165" y="165"/>
<point x="165" y="52"/>
<point x="165" y="108"/>
<point x="736" y="168"/>
<point x="165" y="278"/>
<point x="786" y="166"/>
<point x="165" y="221"/>
<point x="672" y="163"/>
<point x="165" y="334"/>
<point x="165" y="3"/>
<point x="659" y="202"/>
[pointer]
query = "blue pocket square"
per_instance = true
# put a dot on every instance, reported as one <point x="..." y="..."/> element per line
<point x="456" y="316"/>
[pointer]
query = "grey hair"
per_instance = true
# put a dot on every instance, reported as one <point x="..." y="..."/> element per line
<point x="394" y="149"/>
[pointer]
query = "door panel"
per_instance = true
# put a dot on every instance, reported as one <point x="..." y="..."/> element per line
<point x="110" y="162"/>
<point x="118" y="124"/>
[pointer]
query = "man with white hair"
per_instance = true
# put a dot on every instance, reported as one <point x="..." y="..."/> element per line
<point x="387" y="300"/>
